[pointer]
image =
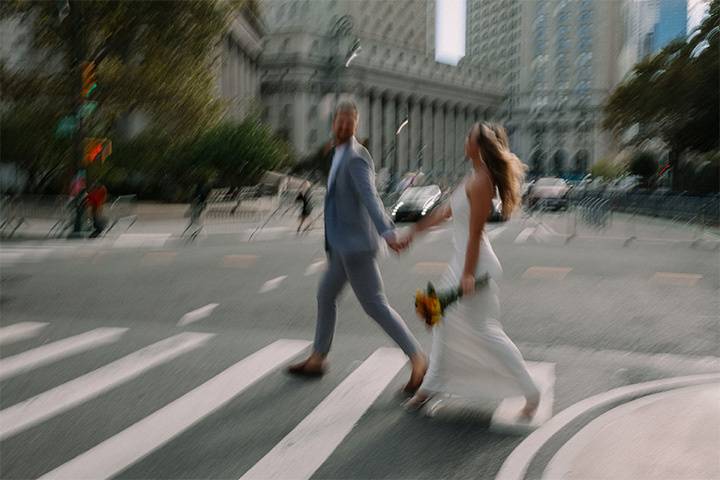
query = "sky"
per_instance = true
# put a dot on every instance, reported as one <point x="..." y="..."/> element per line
<point x="450" y="31"/>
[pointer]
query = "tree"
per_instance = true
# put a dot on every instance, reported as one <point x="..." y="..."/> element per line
<point x="157" y="57"/>
<point x="608" y="169"/>
<point x="674" y="95"/>
<point x="643" y="164"/>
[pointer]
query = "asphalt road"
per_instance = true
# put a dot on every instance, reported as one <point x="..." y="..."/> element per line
<point x="605" y="312"/>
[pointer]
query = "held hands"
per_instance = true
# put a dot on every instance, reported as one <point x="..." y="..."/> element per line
<point x="398" y="243"/>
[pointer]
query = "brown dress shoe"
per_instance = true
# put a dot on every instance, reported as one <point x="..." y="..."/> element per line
<point x="306" y="369"/>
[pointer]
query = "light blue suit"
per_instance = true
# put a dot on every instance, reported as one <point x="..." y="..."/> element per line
<point x="354" y="220"/>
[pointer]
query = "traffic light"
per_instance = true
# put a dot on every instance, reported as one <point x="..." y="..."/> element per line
<point x="93" y="149"/>
<point x="89" y="82"/>
<point x="96" y="148"/>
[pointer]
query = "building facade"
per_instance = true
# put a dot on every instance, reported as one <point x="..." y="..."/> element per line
<point x="238" y="76"/>
<point x="392" y="78"/>
<point x="559" y="59"/>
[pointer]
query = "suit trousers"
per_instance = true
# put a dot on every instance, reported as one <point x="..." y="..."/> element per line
<point x="361" y="270"/>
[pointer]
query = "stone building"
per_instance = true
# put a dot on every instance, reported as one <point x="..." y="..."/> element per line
<point x="392" y="78"/>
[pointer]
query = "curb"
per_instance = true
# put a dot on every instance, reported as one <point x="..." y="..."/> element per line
<point x="516" y="464"/>
<point x="561" y="464"/>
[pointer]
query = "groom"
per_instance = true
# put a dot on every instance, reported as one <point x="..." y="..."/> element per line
<point x="354" y="216"/>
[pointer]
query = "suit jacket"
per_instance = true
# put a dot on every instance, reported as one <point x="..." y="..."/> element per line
<point x="354" y="215"/>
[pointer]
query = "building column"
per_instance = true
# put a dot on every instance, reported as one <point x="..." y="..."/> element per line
<point x="300" y="126"/>
<point x="449" y="139"/>
<point x="415" y="133"/>
<point x="441" y="164"/>
<point x="363" y="103"/>
<point x="389" y="148"/>
<point x="402" y="138"/>
<point x="376" y="132"/>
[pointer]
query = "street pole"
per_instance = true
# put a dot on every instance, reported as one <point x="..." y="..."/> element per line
<point x="79" y="53"/>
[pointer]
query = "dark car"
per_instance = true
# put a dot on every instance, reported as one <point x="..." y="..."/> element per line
<point x="548" y="193"/>
<point x="415" y="203"/>
<point x="496" y="210"/>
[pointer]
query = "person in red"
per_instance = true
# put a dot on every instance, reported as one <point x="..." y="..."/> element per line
<point x="96" y="200"/>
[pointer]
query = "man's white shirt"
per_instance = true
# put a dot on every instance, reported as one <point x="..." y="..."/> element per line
<point x="337" y="158"/>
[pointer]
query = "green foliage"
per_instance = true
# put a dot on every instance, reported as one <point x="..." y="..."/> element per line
<point x="157" y="166"/>
<point x="154" y="56"/>
<point x="608" y="169"/>
<point x="643" y="164"/>
<point x="674" y="95"/>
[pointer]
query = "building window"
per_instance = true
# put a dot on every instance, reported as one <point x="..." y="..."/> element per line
<point x="312" y="138"/>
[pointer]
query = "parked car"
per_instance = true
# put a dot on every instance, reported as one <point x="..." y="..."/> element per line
<point x="415" y="203"/>
<point x="549" y="192"/>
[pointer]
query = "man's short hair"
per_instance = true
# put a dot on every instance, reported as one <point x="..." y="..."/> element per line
<point x="347" y="106"/>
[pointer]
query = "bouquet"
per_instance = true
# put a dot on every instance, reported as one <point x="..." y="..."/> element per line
<point x="430" y="305"/>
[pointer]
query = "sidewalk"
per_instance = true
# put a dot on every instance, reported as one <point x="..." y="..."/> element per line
<point x="666" y="436"/>
<point x="158" y="218"/>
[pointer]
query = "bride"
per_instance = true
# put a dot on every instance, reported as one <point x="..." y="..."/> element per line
<point x="471" y="354"/>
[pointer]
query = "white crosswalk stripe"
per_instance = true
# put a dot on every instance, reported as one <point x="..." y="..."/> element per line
<point x="39" y="408"/>
<point x="37" y="357"/>
<point x="12" y="256"/>
<point x="298" y="455"/>
<point x="20" y="331"/>
<point x="133" y="240"/>
<point x="122" y="450"/>
<point x="306" y="448"/>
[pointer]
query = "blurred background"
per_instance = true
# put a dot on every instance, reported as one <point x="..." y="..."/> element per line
<point x="161" y="217"/>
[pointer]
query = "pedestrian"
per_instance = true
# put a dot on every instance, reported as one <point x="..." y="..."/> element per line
<point x="354" y="221"/>
<point x="96" y="197"/>
<point x="471" y="355"/>
<point x="197" y="207"/>
<point x="306" y="205"/>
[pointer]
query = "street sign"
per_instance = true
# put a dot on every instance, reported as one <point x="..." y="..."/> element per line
<point x="66" y="127"/>
<point x="96" y="148"/>
<point x="86" y="109"/>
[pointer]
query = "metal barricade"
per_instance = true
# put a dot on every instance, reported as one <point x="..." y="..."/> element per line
<point x="58" y="212"/>
<point x="122" y="209"/>
<point x="10" y="220"/>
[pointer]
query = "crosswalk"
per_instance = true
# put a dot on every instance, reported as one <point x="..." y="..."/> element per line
<point x="308" y="445"/>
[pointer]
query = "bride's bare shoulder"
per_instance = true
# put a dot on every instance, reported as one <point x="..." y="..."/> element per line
<point x="478" y="182"/>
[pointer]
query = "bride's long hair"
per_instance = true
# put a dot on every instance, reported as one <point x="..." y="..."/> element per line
<point x="508" y="172"/>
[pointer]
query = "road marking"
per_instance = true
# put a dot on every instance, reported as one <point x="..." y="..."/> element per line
<point x="39" y="408"/>
<point x="306" y="448"/>
<point x="20" y="331"/>
<point x="505" y="418"/>
<point x="198" y="314"/>
<point x="679" y="279"/>
<point x="524" y="235"/>
<point x="12" y="256"/>
<point x="516" y="464"/>
<point x="117" y="453"/>
<point x="430" y="267"/>
<point x="271" y="285"/>
<point x="315" y="268"/>
<point x="130" y="240"/>
<point x="550" y="273"/>
<point x="37" y="357"/>
<point x="158" y="258"/>
<point x="241" y="261"/>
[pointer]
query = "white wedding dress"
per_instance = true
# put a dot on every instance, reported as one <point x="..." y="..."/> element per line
<point x="471" y="355"/>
